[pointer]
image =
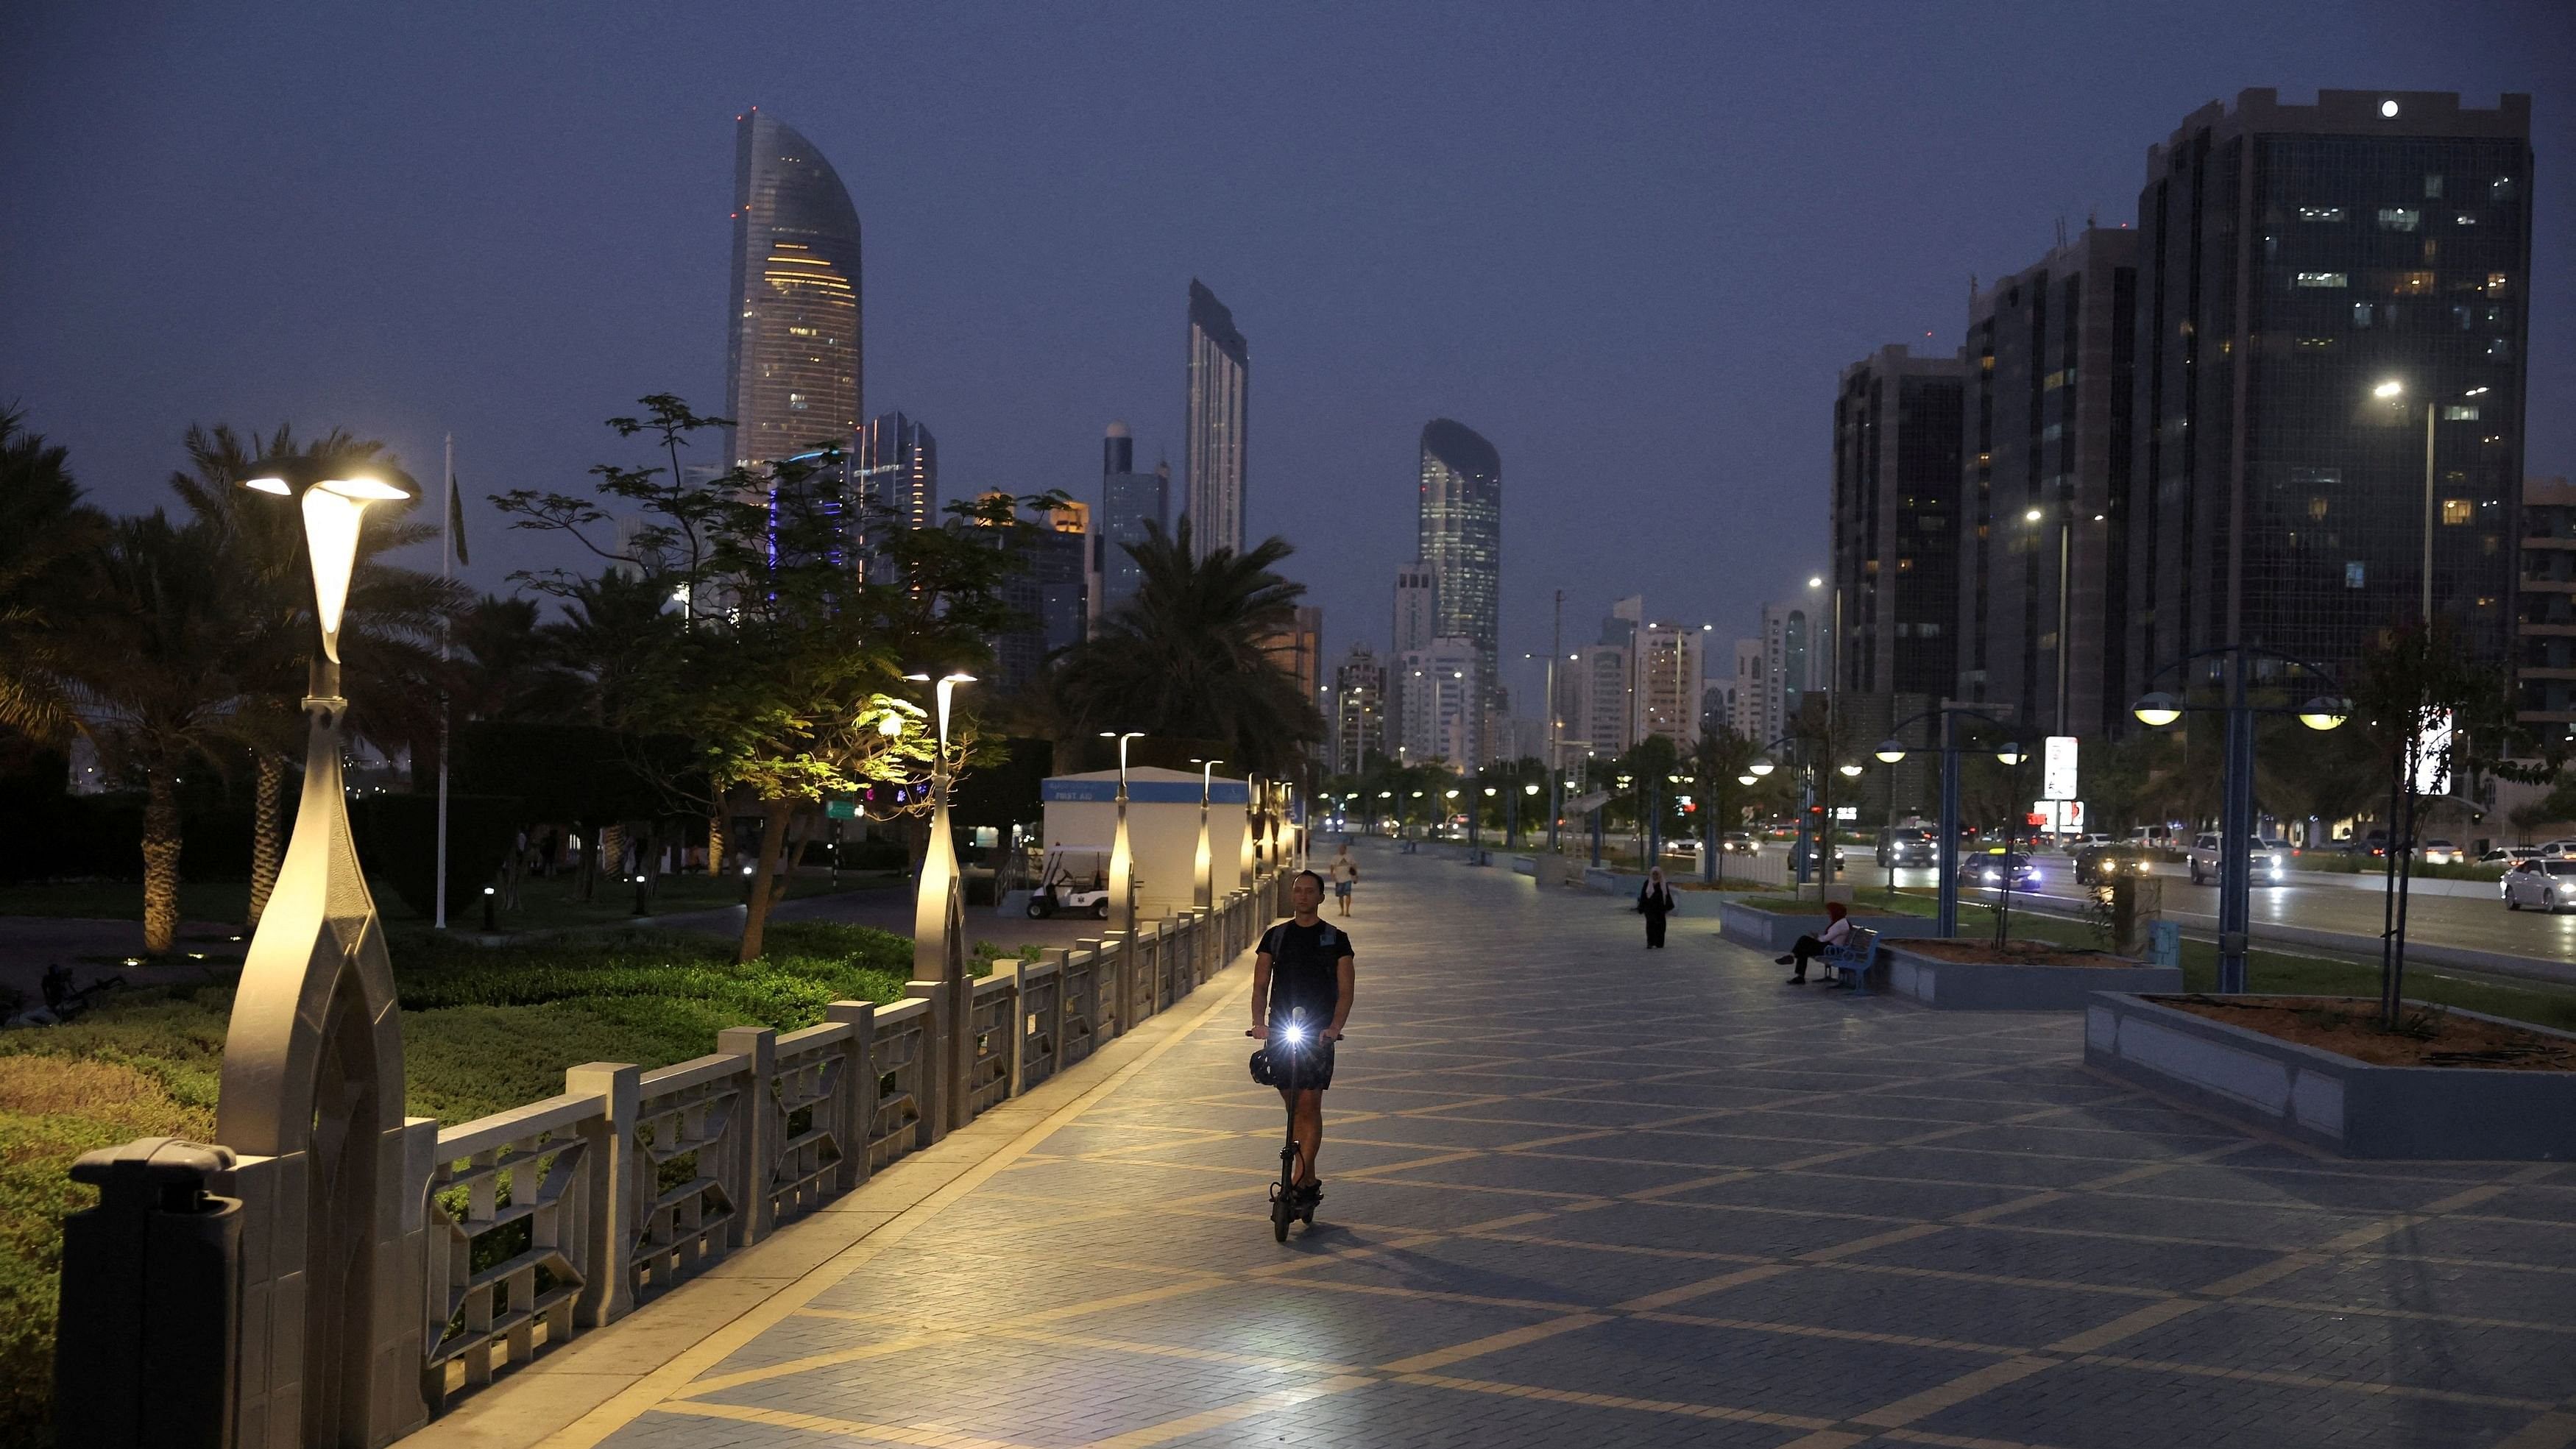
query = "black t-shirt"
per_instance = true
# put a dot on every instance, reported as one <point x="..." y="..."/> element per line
<point x="1305" y="970"/>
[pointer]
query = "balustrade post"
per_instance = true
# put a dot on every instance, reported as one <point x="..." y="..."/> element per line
<point x="1018" y="1020"/>
<point x="1052" y="1024"/>
<point x="610" y="1212"/>
<point x="857" y="1123"/>
<point x="757" y="1133"/>
<point x="930" y="1067"/>
<point x="1115" y="947"/>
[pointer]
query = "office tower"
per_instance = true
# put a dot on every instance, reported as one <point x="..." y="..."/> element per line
<point x="1745" y="699"/>
<point x="1359" y="710"/>
<point x="1443" y="714"/>
<point x="1599" y="683"/>
<point x="1460" y="531"/>
<point x="1212" y="456"/>
<point x="1625" y="617"/>
<point x="1895" y="505"/>
<point x="2293" y="261"/>
<point x="2046" y="487"/>
<point x="896" y="462"/>
<point x="1298" y="649"/>
<point x="2545" y="662"/>
<point x="792" y="377"/>
<point x="1129" y="502"/>
<point x="1417" y="612"/>
<point x="1046" y="592"/>
<point x="1794" y="664"/>
<point x="1668" y="683"/>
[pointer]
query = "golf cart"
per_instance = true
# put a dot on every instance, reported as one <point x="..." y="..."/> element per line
<point x="1074" y="881"/>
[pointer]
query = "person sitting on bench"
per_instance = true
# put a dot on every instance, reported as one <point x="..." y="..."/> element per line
<point x="1838" y="929"/>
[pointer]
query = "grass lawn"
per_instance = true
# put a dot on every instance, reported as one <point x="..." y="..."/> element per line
<point x="483" y="1030"/>
<point x="2288" y="973"/>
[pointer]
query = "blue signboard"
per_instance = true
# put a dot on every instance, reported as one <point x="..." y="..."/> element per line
<point x="1144" y="792"/>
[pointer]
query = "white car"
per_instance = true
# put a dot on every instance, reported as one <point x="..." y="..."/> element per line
<point x="2558" y="850"/>
<point x="2443" y="852"/>
<point x="2540" y="885"/>
<point x="2269" y="860"/>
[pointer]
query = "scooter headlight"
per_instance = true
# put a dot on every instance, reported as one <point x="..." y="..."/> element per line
<point x="1293" y="1034"/>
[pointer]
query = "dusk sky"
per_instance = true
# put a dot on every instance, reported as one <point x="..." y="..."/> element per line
<point x="1630" y="245"/>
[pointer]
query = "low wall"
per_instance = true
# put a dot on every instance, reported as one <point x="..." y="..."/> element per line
<point x="2011" y="985"/>
<point x="2332" y="1101"/>
<point x="1767" y="930"/>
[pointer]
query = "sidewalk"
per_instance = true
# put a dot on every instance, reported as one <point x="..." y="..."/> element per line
<point x="1579" y="1194"/>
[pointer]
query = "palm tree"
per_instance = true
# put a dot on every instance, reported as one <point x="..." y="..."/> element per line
<point x="155" y="682"/>
<point x="45" y="532"/>
<point x="392" y="613"/>
<point x="1190" y="656"/>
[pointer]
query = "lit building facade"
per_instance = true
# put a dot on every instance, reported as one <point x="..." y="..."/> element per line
<point x="793" y="375"/>
<point x="1460" y="532"/>
<point x="1442" y="701"/>
<point x="1669" y="683"/>
<point x="897" y="464"/>
<point x="1895" y="509"/>
<point x="2545" y="667"/>
<point x="1213" y="443"/>
<point x="2292" y="259"/>
<point x="1131" y="505"/>
<point x="1359" y="710"/>
<point x="2051" y="354"/>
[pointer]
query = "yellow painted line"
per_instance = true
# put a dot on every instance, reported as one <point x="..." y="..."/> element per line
<point x="1844" y="1335"/>
<point x="1492" y="1343"/>
<point x="1703" y="1288"/>
<point x="2133" y="1322"/>
<point x="1265" y="1362"/>
<point x="677" y="1376"/>
<point x="1616" y="1401"/>
<point x="1875" y="1240"/>
<point x="923" y="1435"/>
<point x="2310" y="1381"/>
<point x="1957" y="1391"/>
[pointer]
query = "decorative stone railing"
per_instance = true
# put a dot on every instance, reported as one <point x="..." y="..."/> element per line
<point x="555" y="1218"/>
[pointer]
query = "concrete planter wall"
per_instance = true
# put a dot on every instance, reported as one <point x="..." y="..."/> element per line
<point x="2333" y="1101"/>
<point x="1779" y="930"/>
<point x="2012" y="986"/>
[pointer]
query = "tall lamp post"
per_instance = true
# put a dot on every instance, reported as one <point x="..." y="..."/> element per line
<point x="2236" y="785"/>
<point x="1475" y="827"/>
<point x="1203" y="884"/>
<point x="312" y="1071"/>
<point x="1122" y="857"/>
<point x="1512" y="832"/>
<point x="1946" y="852"/>
<point x="2391" y="391"/>
<point x="939" y="924"/>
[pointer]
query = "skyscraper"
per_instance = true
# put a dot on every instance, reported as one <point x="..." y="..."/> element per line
<point x="2047" y="458"/>
<point x="1212" y="454"/>
<point x="1417" y="607"/>
<point x="897" y="465"/>
<point x="1895" y="509"/>
<point x="1359" y="710"/>
<point x="1669" y="683"/>
<point x="1129" y="501"/>
<point x="1460" y="532"/>
<point x="2293" y="261"/>
<point x="1440" y="699"/>
<point x="1793" y="664"/>
<point x="793" y="365"/>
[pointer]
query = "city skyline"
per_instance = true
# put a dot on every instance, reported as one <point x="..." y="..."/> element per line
<point x="543" y="289"/>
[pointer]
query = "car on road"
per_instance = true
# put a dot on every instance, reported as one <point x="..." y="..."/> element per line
<point x="2443" y="852"/>
<point x="2270" y="859"/>
<point x="2558" y="850"/>
<point x="2096" y="864"/>
<point x="2540" y="885"/>
<point x="2003" y="868"/>
<point x="1803" y="857"/>
<point x="2510" y="855"/>
<point x="1738" y="842"/>
<point x="1909" y="845"/>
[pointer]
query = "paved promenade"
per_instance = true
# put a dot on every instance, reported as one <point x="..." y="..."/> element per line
<point x="1583" y="1194"/>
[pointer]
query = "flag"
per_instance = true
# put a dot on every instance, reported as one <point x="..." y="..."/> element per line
<point x="456" y="518"/>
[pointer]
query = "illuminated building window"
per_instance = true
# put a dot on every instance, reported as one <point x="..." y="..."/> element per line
<point x="2321" y="279"/>
<point x="2320" y="213"/>
<point x="2457" y="510"/>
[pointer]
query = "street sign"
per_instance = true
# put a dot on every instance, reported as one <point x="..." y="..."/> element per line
<point x="2433" y="755"/>
<point x="841" y="809"/>
<point x="2057" y="768"/>
<point x="1846" y="812"/>
<point x="2058" y="817"/>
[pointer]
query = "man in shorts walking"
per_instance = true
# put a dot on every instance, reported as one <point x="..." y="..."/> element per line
<point x="1346" y="874"/>
<point x="1304" y="965"/>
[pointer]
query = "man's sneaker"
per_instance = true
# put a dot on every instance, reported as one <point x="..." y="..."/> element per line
<point x="1311" y="1193"/>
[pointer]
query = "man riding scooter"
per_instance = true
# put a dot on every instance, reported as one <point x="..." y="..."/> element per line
<point x="1303" y="970"/>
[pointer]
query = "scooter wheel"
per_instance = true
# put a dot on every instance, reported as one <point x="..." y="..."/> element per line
<point x="1279" y="1216"/>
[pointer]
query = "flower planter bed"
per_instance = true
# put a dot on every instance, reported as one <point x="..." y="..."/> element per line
<point x="1955" y="975"/>
<point x="2480" y="1088"/>
<point x="1768" y="930"/>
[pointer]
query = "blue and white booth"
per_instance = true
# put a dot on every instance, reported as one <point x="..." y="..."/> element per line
<point x="1162" y="829"/>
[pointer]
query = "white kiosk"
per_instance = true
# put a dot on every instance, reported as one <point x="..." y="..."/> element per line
<point x="1162" y="829"/>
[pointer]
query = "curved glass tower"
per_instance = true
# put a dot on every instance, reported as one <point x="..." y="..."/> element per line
<point x="794" y="363"/>
<point x="1461" y="534"/>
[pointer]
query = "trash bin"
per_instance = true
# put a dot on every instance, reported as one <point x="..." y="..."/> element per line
<point x="148" y="1340"/>
<point x="2164" y="943"/>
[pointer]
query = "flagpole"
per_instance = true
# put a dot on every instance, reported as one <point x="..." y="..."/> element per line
<point x="446" y="558"/>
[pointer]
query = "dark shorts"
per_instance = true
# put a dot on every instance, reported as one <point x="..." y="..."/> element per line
<point x="1313" y="1069"/>
<point x="1342" y="888"/>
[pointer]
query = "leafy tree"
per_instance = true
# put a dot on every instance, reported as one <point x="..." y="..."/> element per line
<point x="46" y="536"/>
<point x="1189" y="655"/>
<point x="1716" y="766"/>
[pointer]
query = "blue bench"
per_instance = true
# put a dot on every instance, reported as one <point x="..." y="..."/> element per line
<point x="1849" y="962"/>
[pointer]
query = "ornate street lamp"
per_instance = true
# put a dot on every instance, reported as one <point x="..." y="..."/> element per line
<point x="312" y="1076"/>
<point x="1203" y="884"/>
<point x="1122" y="858"/>
<point x="938" y="901"/>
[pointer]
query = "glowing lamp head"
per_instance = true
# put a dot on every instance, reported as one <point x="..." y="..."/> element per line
<point x="268" y="485"/>
<point x="2324" y="713"/>
<point x="2031" y="517"/>
<point x="2390" y="388"/>
<point x="1762" y="765"/>
<point x="1889" y="751"/>
<point x="1850" y="769"/>
<point x="2011" y="755"/>
<point x="1744" y="779"/>
<point x="2157" y="710"/>
<point x="1529" y="789"/>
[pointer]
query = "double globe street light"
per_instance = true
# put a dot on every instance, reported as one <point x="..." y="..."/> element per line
<point x="1893" y="749"/>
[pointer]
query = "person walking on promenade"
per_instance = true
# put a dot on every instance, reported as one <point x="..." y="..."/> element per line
<point x="1655" y="901"/>
<point x="1838" y="929"/>
<point x="1346" y="875"/>
<point x="1304" y="964"/>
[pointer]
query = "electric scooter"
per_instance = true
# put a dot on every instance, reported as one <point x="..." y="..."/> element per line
<point x="1289" y="1074"/>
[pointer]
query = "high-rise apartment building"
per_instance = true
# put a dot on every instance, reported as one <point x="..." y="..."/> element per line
<point x="1129" y="502"/>
<point x="1745" y="696"/>
<point x="1794" y="663"/>
<point x="1460" y="531"/>
<point x="1298" y="650"/>
<point x="1359" y="710"/>
<point x="1895" y="509"/>
<point x="1048" y="592"/>
<point x="2311" y="279"/>
<point x="1442" y="701"/>
<point x="2044" y="504"/>
<point x="1600" y="683"/>
<point x="792" y="378"/>
<point x="1669" y="684"/>
<point x="2545" y="662"/>
<point x="1213" y="439"/>
<point x="1417" y="607"/>
<point x="896" y="462"/>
